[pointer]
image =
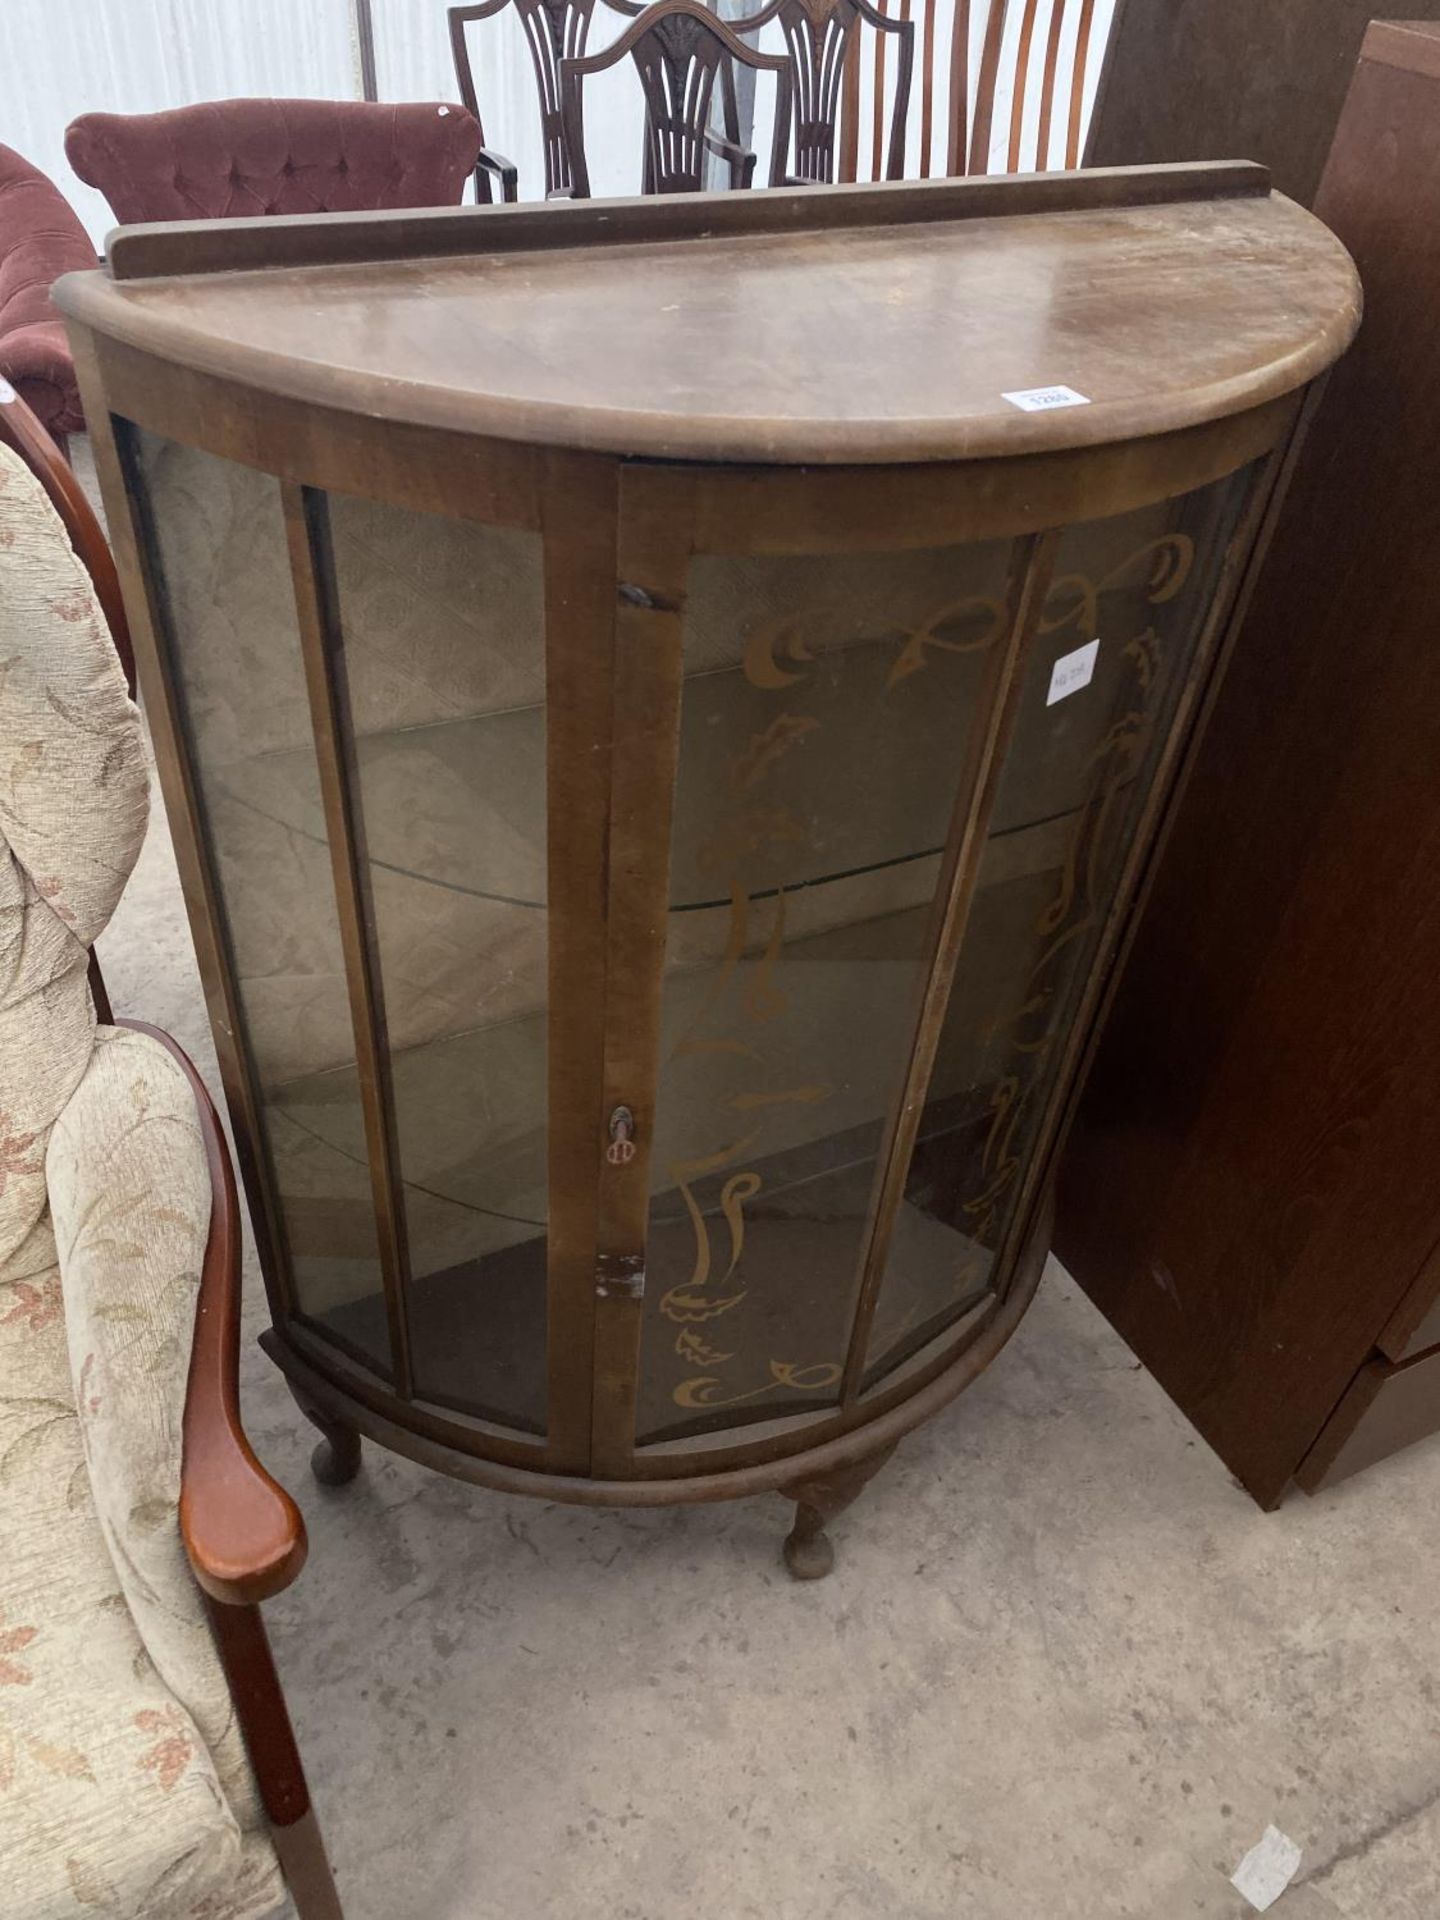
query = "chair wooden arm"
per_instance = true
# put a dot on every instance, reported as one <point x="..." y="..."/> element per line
<point x="492" y="164"/>
<point x="243" y="1533"/>
<point x="741" y="159"/>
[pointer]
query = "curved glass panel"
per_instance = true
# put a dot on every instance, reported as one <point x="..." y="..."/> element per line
<point x="826" y="729"/>
<point x="1117" y="639"/>
<point x="434" y="630"/>
<point x="217" y="535"/>
<point x="442" y="626"/>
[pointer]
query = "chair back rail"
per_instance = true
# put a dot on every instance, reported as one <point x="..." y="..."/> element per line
<point x="999" y="85"/>
<point x="878" y="89"/>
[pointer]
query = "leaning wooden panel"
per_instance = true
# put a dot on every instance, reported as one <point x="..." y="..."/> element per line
<point x="1205" y="79"/>
<point x="754" y="730"/>
<point x="1249" y="1191"/>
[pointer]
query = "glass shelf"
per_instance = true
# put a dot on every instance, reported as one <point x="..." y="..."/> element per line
<point x="493" y="1162"/>
<point x="283" y="790"/>
<point x="456" y="804"/>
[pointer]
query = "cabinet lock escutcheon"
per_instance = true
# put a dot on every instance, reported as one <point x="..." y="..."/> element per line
<point x="621" y="1150"/>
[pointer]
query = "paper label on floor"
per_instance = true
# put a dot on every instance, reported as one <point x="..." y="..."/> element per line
<point x="1267" y="1870"/>
<point x="1045" y="399"/>
<point x="1072" y="671"/>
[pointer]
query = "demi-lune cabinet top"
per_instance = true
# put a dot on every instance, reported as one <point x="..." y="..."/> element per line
<point x="835" y="324"/>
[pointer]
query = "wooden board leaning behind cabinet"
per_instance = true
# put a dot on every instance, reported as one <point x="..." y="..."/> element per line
<point x="1209" y="79"/>
<point x="1252" y="1191"/>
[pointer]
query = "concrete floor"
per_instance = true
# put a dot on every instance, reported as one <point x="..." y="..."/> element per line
<point x="1064" y="1667"/>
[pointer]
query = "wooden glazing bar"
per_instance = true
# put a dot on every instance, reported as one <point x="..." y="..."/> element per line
<point x="654" y="552"/>
<point x="580" y="613"/>
<point x="1077" y="81"/>
<point x="322" y="648"/>
<point x="985" y="86"/>
<point x="133" y="538"/>
<point x="1032" y="562"/>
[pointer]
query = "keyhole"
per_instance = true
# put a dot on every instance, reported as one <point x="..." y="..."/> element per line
<point x="621" y="1150"/>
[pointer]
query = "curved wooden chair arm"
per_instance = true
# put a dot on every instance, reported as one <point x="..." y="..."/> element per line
<point x="491" y="165"/>
<point x="21" y="430"/>
<point x="741" y="159"/>
<point x="243" y="1533"/>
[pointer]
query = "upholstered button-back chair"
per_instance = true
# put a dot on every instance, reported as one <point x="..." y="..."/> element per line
<point x="234" y="159"/>
<point x="40" y="238"/>
<point x="147" y="1766"/>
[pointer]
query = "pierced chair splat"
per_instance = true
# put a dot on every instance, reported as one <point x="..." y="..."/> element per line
<point x="679" y="49"/>
<point x="822" y="38"/>
<point x="555" y="30"/>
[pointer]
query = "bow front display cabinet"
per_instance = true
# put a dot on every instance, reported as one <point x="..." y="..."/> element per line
<point x="664" y="707"/>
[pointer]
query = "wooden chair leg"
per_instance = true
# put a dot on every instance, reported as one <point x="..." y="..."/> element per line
<point x="809" y="1552"/>
<point x="270" y="1741"/>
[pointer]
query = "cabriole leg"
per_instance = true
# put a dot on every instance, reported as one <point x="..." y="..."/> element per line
<point x="809" y="1553"/>
<point x="336" y="1461"/>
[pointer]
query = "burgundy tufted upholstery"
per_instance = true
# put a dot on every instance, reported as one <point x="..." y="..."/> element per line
<point x="40" y="238"/>
<point x="233" y="159"/>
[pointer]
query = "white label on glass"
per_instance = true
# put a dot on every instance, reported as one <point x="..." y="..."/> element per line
<point x="1045" y="399"/>
<point x="1072" y="671"/>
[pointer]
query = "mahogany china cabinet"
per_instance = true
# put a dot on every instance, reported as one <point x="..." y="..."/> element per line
<point x="664" y="706"/>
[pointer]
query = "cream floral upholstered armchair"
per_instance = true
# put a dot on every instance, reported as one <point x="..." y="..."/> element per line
<point x="147" y="1765"/>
